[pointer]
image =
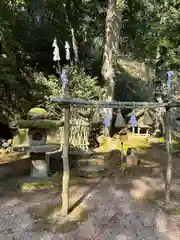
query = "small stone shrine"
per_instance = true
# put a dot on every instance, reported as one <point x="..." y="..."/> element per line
<point x="145" y="120"/>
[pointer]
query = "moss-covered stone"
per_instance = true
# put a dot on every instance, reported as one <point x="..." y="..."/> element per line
<point x="40" y="123"/>
<point x="37" y="112"/>
<point x="173" y="211"/>
<point x="35" y="185"/>
<point x="21" y="138"/>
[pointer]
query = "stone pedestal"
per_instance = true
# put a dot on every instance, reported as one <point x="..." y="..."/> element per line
<point x="39" y="157"/>
<point x="39" y="166"/>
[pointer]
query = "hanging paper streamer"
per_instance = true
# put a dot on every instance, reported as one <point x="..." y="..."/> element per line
<point x="64" y="78"/>
<point x="133" y="120"/>
<point x="119" y="120"/>
<point x="67" y="49"/>
<point x="56" y="55"/>
<point x="107" y="120"/>
<point x="96" y="116"/>
<point x="148" y="120"/>
<point x="170" y="74"/>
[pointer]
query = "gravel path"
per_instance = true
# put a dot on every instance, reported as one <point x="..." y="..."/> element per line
<point x="112" y="214"/>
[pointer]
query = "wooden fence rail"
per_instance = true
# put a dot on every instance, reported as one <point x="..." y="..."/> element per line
<point x="115" y="104"/>
<point x="112" y="103"/>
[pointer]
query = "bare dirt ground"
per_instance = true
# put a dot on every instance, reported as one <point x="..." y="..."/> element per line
<point x="113" y="207"/>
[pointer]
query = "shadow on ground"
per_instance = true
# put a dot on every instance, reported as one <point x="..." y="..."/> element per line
<point x="113" y="207"/>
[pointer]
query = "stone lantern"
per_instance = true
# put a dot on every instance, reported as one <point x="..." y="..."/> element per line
<point x="38" y="126"/>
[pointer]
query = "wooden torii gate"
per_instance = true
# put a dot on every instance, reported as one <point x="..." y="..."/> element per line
<point x="67" y="102"/>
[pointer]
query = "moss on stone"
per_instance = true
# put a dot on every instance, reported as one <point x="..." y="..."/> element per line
<point x="37" y="111"/>
<point x="40" y="123"/>
<point x="35" y="185"/>
<point x="21" y="138"/>
<point x="173" y="211"/>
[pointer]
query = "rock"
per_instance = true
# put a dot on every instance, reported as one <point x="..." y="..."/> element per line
<point x="91" y="166"/>
<point x="39" y="113"/>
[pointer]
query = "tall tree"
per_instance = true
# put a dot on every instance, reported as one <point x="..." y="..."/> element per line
<point x="70" y="6"/>
<point x="112" y="40"/>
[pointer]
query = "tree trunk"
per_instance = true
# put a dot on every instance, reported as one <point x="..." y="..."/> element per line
<point x="159" y="111"/>
<point x="75" y="46"/>
<point x="70" y="17"/>
<point x="65" y="182"/>
<point x="168" y="176"/>
<point x="111" y="48"/>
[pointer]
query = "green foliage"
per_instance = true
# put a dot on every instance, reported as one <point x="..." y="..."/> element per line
<point x="26" y="34"/>
<point x="151" y="25"/>
<point x="82" y="85"/>
<point x="150" y="34"/>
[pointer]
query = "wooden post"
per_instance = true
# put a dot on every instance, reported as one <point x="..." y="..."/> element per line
<point x="65" y="181"/>
<point x="168" y="175"/>
<point x="147" y="132"/>
<point x="133" y="130"/>
<point x="139" y="130"/>
<point x="122" y="150"/>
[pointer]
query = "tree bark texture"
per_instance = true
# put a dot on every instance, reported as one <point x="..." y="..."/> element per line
<point x="159" y="112"/>
<point x="112" y="40"/>
<point x="70" y="16"/>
